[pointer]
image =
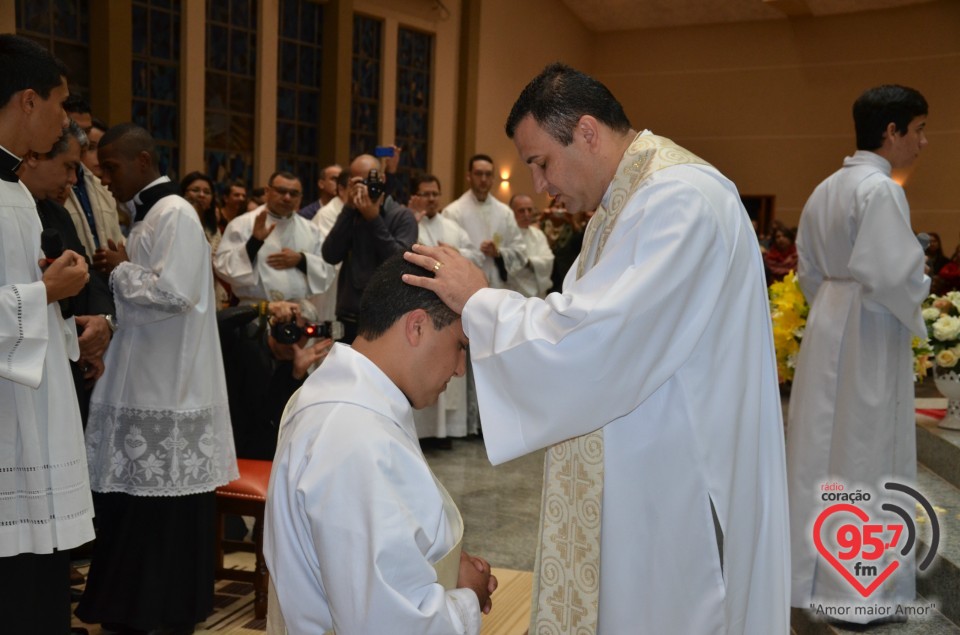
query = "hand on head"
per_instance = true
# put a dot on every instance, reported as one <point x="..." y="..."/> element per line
<point x="455" y="279"/>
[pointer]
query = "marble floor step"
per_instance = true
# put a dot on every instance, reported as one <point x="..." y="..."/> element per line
<point x="937" y="448"/>
<point x="802" y="623"/>
<point x="942" y="578"/>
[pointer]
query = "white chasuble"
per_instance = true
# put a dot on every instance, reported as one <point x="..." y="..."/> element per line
<point x="852" y="416"/>
<point x="159" y="422"/>
<point x="45" y="499"/>
<point x="662" y="344"/>
<point x="358" y="530"/>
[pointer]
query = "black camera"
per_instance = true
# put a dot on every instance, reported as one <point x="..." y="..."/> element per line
<point x="291" y="332"/>
<point x="374" y="185"/>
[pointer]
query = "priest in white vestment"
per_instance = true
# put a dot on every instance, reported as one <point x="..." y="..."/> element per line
<point x="448" y="417"/>
<point x="669" y="414"/>
<point x="534" y="279"/>
<point x="273" y="253"/>
<point x="158" y="436"/>
<point x="324" y="219"/>
<point x="45" y="506"/>
<point x="360" y="537"/>
<point x="489" y="223"/>
<point x="851" y="418"/>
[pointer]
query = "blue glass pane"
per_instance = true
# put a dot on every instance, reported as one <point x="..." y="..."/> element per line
<point x="307" y="140"/>
<point x="141" y="80"/>
<point x="286" y="103"/>
<point x="218" y="11"/>
<point x="163" y="158"/>
<point x="289" y="19"/>
<point x="175" y="38"/>
<point x="65" y="22"/>
<point x="288" y="62"/>
<point x="310" y="22"/>
<point x="286" y="135"/>
<point x="161" y="3"/>
<point x="77" y="59"/>
<point x="140" y="30"/>
<point x="240" y="13"/>
<point x="36" y="16"/>
<point x="308" y="66"/>
<point x="139" y="113"/>
<point x="239" y="53"/>
<point x="165" y="79"/>
<point x="217" y="47"/>
<point x="84" y="22"/>
<point x="309" y="107"/>
<point x="163" y="122"/>
<point x="160" y="40"/>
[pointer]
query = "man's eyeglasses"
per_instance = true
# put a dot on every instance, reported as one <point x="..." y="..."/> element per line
<point x="283" y="191"/>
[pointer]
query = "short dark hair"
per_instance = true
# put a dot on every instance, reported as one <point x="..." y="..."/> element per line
<point x="425" y="178"/>
<point x="284" y="174"/>
<point x="478" y="157"/>
<point x="99" y="124"/>
<point x="76" y="105"/>
<point x="132" y="139"/>
<point x="387" y="298"/>
<point x="343" y="179"/>
<point x="71" y="131"/>
<point x="877" y="107"/>
<point x="559" y="96"/>
<point x="25" y="65"/>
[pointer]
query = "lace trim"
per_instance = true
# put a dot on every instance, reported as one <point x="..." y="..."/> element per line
<point x="145" y="281"/>
<point x="148" y="452"/>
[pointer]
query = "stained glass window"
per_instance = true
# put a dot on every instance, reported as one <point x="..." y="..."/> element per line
<point x="298" y="92"/>
<point x="63" y="27"/>
<point x="230" y="90"/>
<point x="365" y="98"/>
<point x="414" y="72"/>
<point x="156" y="77"/>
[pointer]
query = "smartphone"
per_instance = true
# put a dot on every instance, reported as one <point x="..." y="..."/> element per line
<point x="383" y="151"/>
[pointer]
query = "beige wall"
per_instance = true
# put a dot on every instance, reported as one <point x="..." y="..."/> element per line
<point x="769" y="102"/>
<point x="516" y="40"/>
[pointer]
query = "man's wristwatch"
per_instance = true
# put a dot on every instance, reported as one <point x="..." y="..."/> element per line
<point x="111" y="322"/>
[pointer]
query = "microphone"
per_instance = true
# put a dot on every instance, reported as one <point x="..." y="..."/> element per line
<point x="52" y="245"/>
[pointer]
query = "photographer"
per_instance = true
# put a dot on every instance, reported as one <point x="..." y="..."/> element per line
<point x="263" y="372"/>
<point x="371" y="227"/>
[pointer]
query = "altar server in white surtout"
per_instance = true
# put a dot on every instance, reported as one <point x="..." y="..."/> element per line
<point x="665" y="504"/>
<point x="851" y="414"/>
<point x="360" y="537"/>
<point x="448" y="417"/>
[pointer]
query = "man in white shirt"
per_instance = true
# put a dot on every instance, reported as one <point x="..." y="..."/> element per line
<point x="533" y="280"/>
<point x="272" y="253"/>
<point x="489" y="223"/>
<point x="851" y="418"/>
<point x="666" y="436"/>
<point x="360" y="537"/>
<point x="324" y="219"/>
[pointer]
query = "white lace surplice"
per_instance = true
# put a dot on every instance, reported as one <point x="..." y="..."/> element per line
<point x="159" y="421"/>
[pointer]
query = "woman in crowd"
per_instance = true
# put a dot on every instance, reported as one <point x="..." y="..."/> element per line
<point x="781" y="257"/>
<point x="197" y="188"/>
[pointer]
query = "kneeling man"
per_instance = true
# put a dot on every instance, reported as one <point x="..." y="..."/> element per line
<point x="360" y="536"/>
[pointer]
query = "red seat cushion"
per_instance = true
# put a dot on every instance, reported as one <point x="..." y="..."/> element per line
<point x="253" y="481"/>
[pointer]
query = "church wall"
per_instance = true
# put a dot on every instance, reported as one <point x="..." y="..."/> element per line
<point x="769" y="103"/>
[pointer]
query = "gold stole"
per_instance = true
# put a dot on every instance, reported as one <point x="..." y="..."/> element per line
<point x="566" y="587"/>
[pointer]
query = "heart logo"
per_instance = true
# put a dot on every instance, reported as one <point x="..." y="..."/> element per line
<point x="134" y="444"/>
<point x="828" y="555"/>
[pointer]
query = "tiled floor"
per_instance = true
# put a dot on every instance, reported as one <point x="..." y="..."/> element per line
<point x="500" y="505"/>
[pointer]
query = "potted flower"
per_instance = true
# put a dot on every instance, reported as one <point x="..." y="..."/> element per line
<point x="942" y="316"/>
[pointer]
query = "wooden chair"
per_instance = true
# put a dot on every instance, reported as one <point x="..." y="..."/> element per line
<point x="246" y="496"/>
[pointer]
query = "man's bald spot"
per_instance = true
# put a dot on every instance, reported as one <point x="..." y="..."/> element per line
<point x="362" y="165"/>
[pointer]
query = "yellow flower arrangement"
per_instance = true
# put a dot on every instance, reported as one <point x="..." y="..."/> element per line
<point x="788" y="313"/>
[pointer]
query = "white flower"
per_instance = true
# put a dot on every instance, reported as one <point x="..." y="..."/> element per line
<point x="946" y="328"/>
<point x="946" y="358"/>
<point x="930" y="314"/>
<point x="954" y="297"/>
